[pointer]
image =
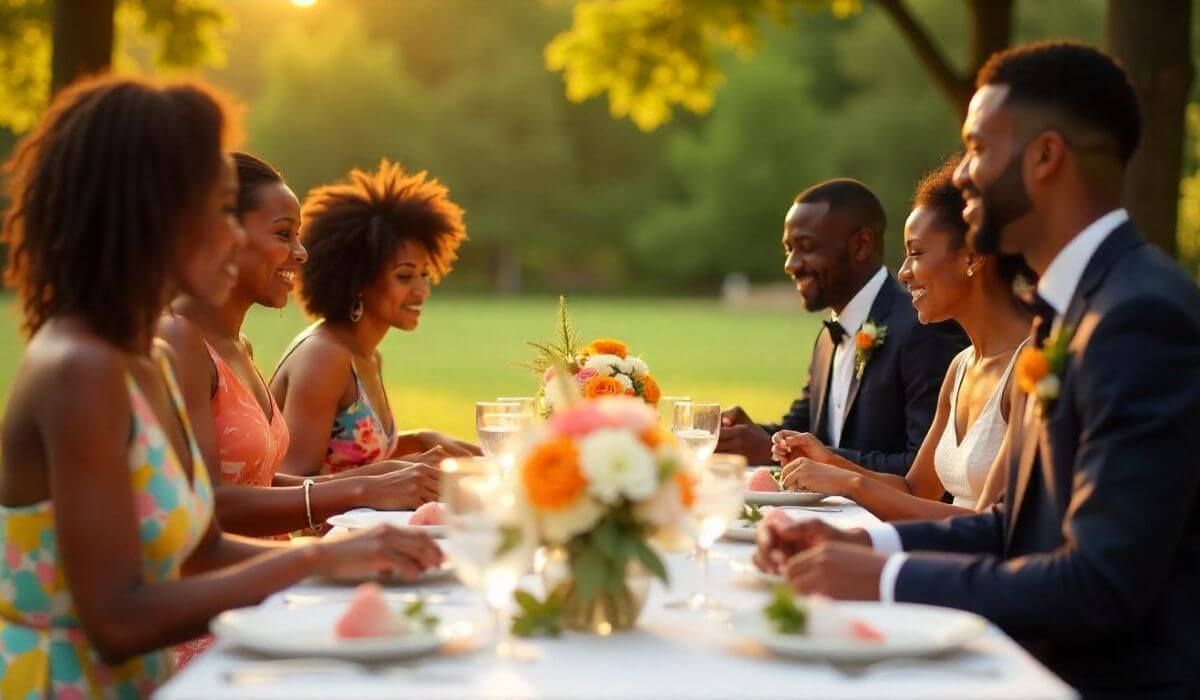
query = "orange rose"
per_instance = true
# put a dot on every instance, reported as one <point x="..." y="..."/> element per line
<point x="655" y="436"/>
<point x="864" y="340"/>
<point x="651" y="390"/>
<point x="1032" y="367"/>
<point x="602" y="386"/>
<point x="687" y="490"/>
<point x="606" y="346"/>
<point x="552" y="476"/>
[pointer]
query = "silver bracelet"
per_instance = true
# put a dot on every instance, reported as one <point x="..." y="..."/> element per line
<point x="308" y="484"/>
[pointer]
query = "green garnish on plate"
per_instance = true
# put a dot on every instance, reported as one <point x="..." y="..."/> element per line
<point x="784" y="614"/>
<point x="751" y="514"/>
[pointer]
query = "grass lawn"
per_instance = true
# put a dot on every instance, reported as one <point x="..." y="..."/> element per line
<point x="465" y="350"/>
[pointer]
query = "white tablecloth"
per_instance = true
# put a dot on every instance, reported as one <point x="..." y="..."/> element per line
<point x="671" y="654"/>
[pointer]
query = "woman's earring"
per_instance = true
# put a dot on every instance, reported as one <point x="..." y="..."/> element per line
<point x="356" y="310"/>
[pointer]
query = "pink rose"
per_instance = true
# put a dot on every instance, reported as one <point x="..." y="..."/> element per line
<point x="578" y="421"/>
<point x="585" y="374"/>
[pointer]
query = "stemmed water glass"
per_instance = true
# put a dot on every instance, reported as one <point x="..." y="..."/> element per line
<point x="697" y="426"/>
<point x="499" y="425"/>
<point x="718" y="488"/>
<point x="487" y="538"/>
<point x="527" y="403"/>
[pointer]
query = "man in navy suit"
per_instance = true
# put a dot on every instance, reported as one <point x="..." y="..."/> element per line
<point x="1093" y="560"/>
<point x="873" y="410"/>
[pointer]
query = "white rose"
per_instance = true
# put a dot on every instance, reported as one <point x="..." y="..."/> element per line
<point x="664" y="508"/>
<point x="624" y="381"/>
<point x="560" y="525"/>
<point x="637" y="368"/>
<point x="605" y="365"/>
<point x="615" y="464"/>
<point x="1047" y="388"/>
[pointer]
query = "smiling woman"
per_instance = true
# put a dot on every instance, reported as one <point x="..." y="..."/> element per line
<point x="377" y="244"/>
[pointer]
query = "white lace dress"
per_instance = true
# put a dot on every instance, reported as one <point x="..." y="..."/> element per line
<point x="962" y="463"/>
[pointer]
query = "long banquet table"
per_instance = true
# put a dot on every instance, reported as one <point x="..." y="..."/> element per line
<point x="671" y="654"/>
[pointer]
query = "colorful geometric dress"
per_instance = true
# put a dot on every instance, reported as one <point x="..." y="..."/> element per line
<point x="43" y="650"/>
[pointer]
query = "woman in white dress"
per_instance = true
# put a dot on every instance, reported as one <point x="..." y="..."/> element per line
<point x="947" y="280"/>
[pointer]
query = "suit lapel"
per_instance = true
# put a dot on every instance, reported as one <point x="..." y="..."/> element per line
<point x="822" y="363"/>
<point x="1029" y="435"/>
<point x="881" y="308"/>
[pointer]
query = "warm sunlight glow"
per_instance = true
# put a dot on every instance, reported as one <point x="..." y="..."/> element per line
<point x="304" y="3"/>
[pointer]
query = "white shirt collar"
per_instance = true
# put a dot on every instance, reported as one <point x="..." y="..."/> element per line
<point x="855" y="313"/>
<point x="1058" y="284"/>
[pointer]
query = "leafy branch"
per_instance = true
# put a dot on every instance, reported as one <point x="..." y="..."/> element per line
<point x="537" y="617"/>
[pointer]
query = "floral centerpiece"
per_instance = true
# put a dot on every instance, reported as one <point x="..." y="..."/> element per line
<point x="598" y="480"/>
<point x="603" y="367"/>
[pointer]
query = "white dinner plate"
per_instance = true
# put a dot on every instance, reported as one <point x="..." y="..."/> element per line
<point x="741" y="532"/>
<point x="909" y="630"/>
<point x="363" y="518"/>
<point x="747" y="568"/>
<point x="308" y="631"/>
<point x="783" y="498"/>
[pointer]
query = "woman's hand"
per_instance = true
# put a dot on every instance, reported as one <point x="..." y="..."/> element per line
<point x="380" y="550"/>
<point x="431" y="439"/>
<point x="788" y="445"/>
<point x="402" y="489"/>
<point x="807" y="475"/>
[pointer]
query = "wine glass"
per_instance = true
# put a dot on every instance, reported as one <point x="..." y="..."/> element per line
<point x="488" y="539"/>
<point x="718" y="483"/>
<point x="499" y="424"/>
<point x="527" y="403"/>
<point x="666" y="408"/>
<point x="697" y="425"/>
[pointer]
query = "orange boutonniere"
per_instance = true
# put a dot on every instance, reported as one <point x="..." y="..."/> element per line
<point x="1039" y="370"/>
<point x="870" y="336"/>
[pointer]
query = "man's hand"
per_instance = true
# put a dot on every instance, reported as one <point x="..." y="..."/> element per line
<point x="788" y="445"/>
<point x="735" y="416"/>
<point x="777" y="543"/>
<point x="838" y="570"/>
<point x="750" y="441"/>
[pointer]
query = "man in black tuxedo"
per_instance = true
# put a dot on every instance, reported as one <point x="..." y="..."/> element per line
<point x="874" y="413"/>
<point x="1093" y="560"/>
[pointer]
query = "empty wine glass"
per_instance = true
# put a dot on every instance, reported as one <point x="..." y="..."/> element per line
<point x="718" y="488"/>
<point x="487" y="538"/>
<point x="499" y="425"/>
<point x="697" y="425"/>
<point x="666" y="409"/>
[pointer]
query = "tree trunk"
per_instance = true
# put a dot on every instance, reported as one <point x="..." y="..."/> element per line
<point x="1153" y="41"/>
<point x="82" y="40"/>
<point x="990" y="30"/>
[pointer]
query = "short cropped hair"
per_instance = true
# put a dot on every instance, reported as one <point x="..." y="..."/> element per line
<point x="352" y="229"/>
<point x="852" y="201"/>
<point x="101" y="192"/>
<point x="1085" y="84"/>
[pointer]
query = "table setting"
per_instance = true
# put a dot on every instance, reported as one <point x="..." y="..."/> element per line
<point x="600" y="549"/>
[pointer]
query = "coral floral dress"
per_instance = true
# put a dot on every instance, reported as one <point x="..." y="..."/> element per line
<point x="251" y="447"/>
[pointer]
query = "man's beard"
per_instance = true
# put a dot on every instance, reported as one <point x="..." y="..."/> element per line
<point x="1004" y="201"/>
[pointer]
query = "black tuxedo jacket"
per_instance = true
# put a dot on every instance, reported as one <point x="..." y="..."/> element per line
<point x="1093" y="560"/>
<point x="891" y="408"/>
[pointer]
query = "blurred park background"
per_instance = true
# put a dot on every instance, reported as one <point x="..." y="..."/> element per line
<point x="637" y="155"/>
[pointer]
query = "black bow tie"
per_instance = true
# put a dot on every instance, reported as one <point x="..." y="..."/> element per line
<point x="835" y="331"/>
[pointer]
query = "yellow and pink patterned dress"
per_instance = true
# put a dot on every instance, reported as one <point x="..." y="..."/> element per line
<point x="43" y="650"/>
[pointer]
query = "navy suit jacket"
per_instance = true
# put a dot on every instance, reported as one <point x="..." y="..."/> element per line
<point x="1093" y="560"/>
<point x="891" y="408"/>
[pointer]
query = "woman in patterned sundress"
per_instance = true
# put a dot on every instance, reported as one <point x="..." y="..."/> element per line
<point x="376" y="244"/>
<point x="119" y="197"/>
